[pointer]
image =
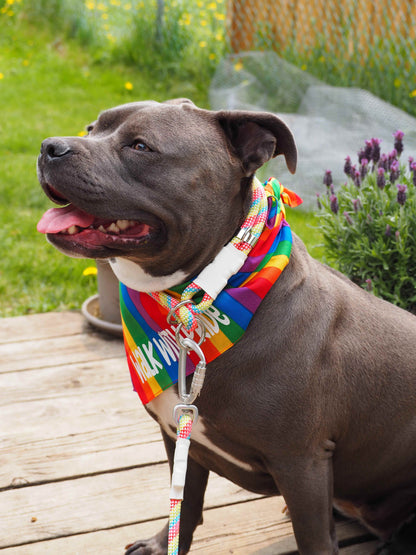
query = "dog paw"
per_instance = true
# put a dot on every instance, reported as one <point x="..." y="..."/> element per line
<point x="146" y="547"/>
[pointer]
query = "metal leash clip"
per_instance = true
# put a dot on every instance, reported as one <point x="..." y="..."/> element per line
<point x="185" y="345"/>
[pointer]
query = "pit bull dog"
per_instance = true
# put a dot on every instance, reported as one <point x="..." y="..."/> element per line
<point x="317" y="400"/>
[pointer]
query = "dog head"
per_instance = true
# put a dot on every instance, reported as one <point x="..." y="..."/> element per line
<point x="157" y="188"/>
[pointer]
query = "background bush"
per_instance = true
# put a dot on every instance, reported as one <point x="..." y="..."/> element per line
<point x="369" y="223"/>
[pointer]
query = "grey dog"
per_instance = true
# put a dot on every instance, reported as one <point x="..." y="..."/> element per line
<point x="317" y="401"/>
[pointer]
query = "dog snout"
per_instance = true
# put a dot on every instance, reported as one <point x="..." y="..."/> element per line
<point x="55" y="147"/>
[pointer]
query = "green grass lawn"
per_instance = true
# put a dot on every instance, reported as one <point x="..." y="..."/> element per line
<point x="51" y="86"/>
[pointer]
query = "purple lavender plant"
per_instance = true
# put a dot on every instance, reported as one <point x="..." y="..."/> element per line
<point x="413" y="168"/>
<point x="334" y="204"/>
<point x="328" y="181"/>
<point x="392" y="157"/>
<point x="318" y="201"/>
<point x="362" y="154"/>
<point x="401" y="193"/>
<point x="398" y="141"/>
<point x="347" y="166"/>
<point x="356" y="204"/>
<point x="381" y="178"/>
<point x="373" y="225"/>
<point x="357" y="178"/>
<point x="394" y="171"/>
<point x="384" y="162"/>
<point x="348" y="217"/>
<point x="364" y="168"/>
<point x="375" y="153"/>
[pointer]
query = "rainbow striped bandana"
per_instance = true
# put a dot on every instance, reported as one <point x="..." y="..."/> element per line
<point x="151" y="348"/>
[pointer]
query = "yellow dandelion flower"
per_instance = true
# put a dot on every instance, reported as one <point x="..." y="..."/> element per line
<point x="238" y="66"/>
<point x="219" y="37"/>
<point x="4" y="9"/>
<point x="115" y="3"/>
<point x="10" y="13"/>
<point x="110" y="37"/>
<point x="82" y="133"/>
<point x="219" y="16"/>
<point x="203" y="22"/>
<point x="10" y="2"/>
<point x="212" y="56"/>
<point x="101" y="7"/>
<point x="397" y="82"/>
<point x="1" y="75"/>
<point x="212" y="6"/>
<point x="90" y="271"/>
<point x="90" y="5"/>
<point x="104" y="15"/>
<point x="203" y="43"/>
<point x="127" y="7"/>
<point x="26" y="63"/>
<point x="200" y="4"/>
<point x="128" y="85"/>
<point x="412" y="94"/>
<point x="303" y="67"/>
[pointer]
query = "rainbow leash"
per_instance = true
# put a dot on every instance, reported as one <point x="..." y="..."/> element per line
<point x="178" y="476"/>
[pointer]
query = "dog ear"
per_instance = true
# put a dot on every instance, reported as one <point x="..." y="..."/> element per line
<point x="256" y="137"/>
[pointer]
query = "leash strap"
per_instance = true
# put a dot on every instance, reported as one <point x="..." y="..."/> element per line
<point x="178" y="479"/>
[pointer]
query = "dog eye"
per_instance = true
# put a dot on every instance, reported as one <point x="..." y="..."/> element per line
<point x="141" y="146"/>
<point x="89" y="128"/>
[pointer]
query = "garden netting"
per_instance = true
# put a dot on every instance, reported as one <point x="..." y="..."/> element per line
<point x="328" y="122"/>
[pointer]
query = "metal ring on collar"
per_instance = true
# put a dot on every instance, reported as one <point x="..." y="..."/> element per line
<point x="185" y="408"/>
<point x="175" y="308"/>
<point x="179" y="340"/>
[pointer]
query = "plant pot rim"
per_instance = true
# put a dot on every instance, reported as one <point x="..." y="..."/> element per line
<point x="90" y="307"/>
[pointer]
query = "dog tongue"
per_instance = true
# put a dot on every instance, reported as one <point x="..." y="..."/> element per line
<point x="55" y="220"/>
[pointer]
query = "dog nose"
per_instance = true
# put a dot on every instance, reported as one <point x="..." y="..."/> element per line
<point x="55" y="147"/>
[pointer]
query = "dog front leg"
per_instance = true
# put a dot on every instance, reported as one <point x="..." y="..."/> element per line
<point x="191" y="513"/>
<point x="307" y="487"/>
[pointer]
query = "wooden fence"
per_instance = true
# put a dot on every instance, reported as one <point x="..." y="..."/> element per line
<point x="347" y="24"/>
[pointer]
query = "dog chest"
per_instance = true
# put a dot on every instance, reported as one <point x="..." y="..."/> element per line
<point x="162" y="407"/>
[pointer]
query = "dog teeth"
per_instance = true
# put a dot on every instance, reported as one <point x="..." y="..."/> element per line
<point x="72" y="230"/>
<point x="113" y="228"/>
<point x="123" y="224"/>
<point x="116" y="227"/>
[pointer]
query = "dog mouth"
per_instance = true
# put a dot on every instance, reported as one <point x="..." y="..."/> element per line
<point x="75" y="231"/>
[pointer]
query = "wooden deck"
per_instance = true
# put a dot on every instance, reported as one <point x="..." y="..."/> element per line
<point x="82" y="466"/>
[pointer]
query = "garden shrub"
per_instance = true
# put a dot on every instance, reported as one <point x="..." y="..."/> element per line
<point x="369" y="224"/>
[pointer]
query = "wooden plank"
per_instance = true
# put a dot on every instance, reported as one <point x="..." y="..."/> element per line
<point x="87" y="504"/>
<point x="41" y="326"/>
<point x="64" y="380"/>
<point x="43" y="353"/>
<point x="349" y="531"/>
<point x="256" y="527"/>
<point x="365" y="548"/>
<point x="89" y="421"/>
